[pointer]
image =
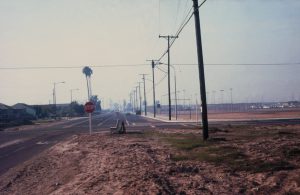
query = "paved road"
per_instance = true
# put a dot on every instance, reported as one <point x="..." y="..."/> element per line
<point x="18" y="146"/>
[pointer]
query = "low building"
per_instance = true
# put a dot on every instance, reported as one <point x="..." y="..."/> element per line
<point x="24" y="111"/>
<point x="6" y="113"/>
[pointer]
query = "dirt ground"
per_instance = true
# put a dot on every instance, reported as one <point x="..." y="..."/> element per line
<point x="235" y="160"/>
<point x="251" y="115"/>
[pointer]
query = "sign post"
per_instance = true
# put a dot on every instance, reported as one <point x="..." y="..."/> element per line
<point x="89" y="107"/>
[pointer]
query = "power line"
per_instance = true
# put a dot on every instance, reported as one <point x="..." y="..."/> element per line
<point x="177" y="12"/>
<point x="244" y="64"/>
<point x="72" y="67"/>
<point x="140" y="65"/>
<point x="159" y="82"/>
<point x="158" y="15"/>
<point x="159" y="68"/>
<point x="180" y="29"/>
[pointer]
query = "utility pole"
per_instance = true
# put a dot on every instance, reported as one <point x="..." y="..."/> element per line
<point x="196" y="108"/>
<point x="154" y="104"/>
<point x="201" y="70"/>
<point x="231" y="101"/>
<point x="140" y="97"/>
<point x="54" y="94"/>
<point x="169" y="90"/>
<point x="183" y="98"/>
<point x="71" y="91"/>
<point x="134" y="101"/>
<point x="153" y="86"/>
<point x="54" y="100"/>
<point x="176" y="112"/>
<point x="130" y="100"/>
<point x="136" y="98"/>
<point x="145" y="100"/>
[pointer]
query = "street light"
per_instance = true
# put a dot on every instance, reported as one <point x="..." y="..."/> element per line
<point x="221" y="101"/>
<point x="222" y="95"/>
<point x="184" y="98"/>
<point x="134" y="100"/>
<point x="54" y="93"/>
<point x="145" y="99"/>
<point x="71" y="91"/>
<point x="175" y="80"/>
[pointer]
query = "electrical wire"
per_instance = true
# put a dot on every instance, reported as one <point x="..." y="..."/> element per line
<point x="72" y="67"/>
<point x="161" y="80"/>
<point x="159" y="68"/>
<point x="177" y="12"/>
<point x="180" y="30"/>
<point x="141" y="65"/>
<point x="245" y="64"/>
<point x="158" y="15"/>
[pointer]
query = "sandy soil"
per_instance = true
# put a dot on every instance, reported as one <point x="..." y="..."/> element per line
<point x="166" y="162"/>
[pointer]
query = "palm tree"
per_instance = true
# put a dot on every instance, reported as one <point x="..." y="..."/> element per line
<point x="88" y="72"/>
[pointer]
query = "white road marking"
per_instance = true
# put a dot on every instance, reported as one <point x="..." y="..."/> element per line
<point x="42" y="143"/>
<point x="11" y="143"/>
<point x="104" y="121"/>
<point x="74" y="124"/>
<point x="152" y="126"/>
<point x="87" y="119"/>
<point x="21" y="148"/>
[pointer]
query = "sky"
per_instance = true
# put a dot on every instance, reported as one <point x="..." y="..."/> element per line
<point x="71" y="34"/>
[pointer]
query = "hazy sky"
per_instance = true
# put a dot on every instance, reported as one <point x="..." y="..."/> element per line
<point x="76" y="33"/>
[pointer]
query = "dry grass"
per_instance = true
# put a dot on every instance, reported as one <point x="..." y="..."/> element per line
<point x="227" y="147"/>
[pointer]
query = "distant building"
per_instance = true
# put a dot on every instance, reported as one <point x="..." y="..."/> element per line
<point x="6" y="113"/>
<point x="25" y="111"/>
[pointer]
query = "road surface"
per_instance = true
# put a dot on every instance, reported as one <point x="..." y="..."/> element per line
<point x="18" y="146"/>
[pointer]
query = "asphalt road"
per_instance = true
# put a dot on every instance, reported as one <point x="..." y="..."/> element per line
<point x="18" y="146"/>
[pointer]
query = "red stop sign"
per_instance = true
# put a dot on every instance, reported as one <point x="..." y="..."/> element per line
<point x="89" y="107"/>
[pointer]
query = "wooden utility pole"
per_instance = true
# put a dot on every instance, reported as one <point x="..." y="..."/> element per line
<point x="201" y="70"/>
<point x="168" y="37"/>
<point x="154" y="104"/>
<point x="231" y="101"/>
<point x="145" y="99"/>
<point x="153" y="86"/>
<point x="136" y="98"/>
<point x="140" y="96"/>
<point x="133" y="94"/>
<point x="130" y="100"/>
